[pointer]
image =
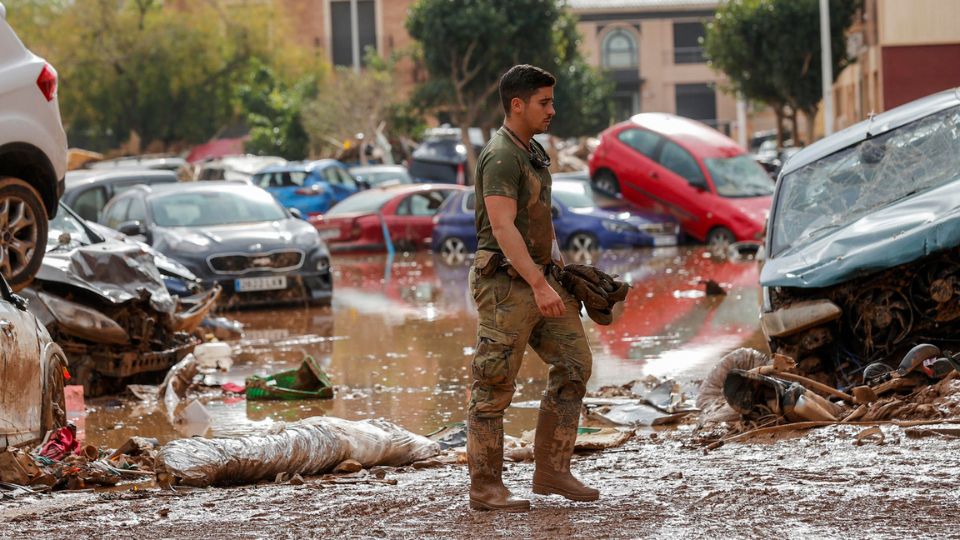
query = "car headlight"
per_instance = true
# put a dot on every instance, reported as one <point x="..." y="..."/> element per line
<point x="660" y="228"/>
<point x="84" y="322"/>
<point x="323" y="264"/>
<point x="618" y="227"/>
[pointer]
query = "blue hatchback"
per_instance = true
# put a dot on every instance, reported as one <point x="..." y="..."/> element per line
<point x="581" y="225"/>
<point x="311" y="187"/>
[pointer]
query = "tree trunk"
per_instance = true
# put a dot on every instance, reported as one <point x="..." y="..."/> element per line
<point x="466" y="120"/>
<point x="795" y="129"/>
<point x="811" y="115"/>
<point x="778" y="111"/>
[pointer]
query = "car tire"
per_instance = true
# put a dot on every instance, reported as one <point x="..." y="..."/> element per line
<point x="583" y="246"/>
<point x="720" y="237"/>
<point x="607" y="183"/>
<point x="53" y="412"/>
<point x="23" y="231"/>
<point x="453" y="250"/>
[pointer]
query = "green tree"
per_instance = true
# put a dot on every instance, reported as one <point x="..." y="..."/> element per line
<point x="770" y="52"/>
<point x="468" y="44"/>
<point x="163" y="74"/>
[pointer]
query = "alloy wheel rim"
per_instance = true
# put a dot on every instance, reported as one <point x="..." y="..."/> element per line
<point x="453" y="250"/>
<point x="18" y="235"/>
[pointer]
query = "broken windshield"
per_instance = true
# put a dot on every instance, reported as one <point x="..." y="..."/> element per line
<point x="839" y="189"/>
<point x="739" y="176"/>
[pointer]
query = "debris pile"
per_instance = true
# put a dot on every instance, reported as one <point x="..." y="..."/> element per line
<point x="747" y="392"/>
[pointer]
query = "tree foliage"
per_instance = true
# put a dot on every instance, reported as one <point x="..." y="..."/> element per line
<point x="468" y="44"/>
<point x="770" y="51"/>
<point x="165" y="75"/>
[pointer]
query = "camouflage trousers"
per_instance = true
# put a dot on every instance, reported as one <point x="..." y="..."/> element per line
<point x="509" y="320"/>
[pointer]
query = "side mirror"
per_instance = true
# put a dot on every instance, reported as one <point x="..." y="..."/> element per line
<point x="699" y="184"/>
<point x="296" y="213"/>
<point x="555" y="212"/>
<point x="132" y="228"/>
<point x="363" y="184"/>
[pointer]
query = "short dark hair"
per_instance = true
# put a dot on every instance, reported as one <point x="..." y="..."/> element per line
<point x="523" y="81"/>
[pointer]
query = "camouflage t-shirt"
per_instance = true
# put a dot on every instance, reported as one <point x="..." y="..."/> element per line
<point x="504" y="168"/>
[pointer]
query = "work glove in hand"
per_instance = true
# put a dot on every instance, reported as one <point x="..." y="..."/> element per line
<point x="597" y="290"/>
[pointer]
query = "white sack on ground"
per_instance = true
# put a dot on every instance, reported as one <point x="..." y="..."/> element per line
<point x="713" y="406"/>
<point x="311" y="446"/>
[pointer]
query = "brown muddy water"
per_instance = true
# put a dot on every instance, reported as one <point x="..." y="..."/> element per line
<point x="399" y="337"/>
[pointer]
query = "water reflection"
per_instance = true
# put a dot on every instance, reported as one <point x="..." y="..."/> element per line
<point x="399" y="338"/>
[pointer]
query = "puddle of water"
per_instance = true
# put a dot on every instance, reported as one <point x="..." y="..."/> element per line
<point x="399" y="339"/>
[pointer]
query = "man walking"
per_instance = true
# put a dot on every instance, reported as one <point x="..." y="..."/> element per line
<point x="520" y="302"/>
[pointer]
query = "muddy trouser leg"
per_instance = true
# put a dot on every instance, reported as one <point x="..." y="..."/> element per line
<point x="561" y="343"/>
<point x="502" y="338"/>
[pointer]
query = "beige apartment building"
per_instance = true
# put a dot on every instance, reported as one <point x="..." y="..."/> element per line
<point x="651" y="49"/>
<point x="904" y="50"/>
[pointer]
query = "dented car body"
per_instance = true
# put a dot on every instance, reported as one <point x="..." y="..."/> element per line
<point x="106" y="302"/>
<point x="863" y="244"/>
<point x="31" y="374"/>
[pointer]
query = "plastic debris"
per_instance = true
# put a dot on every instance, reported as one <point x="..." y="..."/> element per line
<point x="311" y="446"/>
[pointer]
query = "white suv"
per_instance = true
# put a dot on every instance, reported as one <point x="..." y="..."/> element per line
<point x="33" y="156"/>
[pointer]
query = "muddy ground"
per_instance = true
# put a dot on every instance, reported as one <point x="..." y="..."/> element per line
<point x="398" y="340"/>
<point x="819" y="485"/>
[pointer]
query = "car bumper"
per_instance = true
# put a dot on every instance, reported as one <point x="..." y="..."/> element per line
<point x="316" y="288"/>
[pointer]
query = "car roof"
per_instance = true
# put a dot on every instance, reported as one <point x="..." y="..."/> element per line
<point x="295" y="166"/>
<point x="85" y="177"/>
<point x="873" y="126"/>
<point x="695" y="136"/>
<point x="377" y="168"/>
<point x="198" y="187"/>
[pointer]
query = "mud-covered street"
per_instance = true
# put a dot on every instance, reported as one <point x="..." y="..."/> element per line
<point x="819" y="485"/>
<point x="396" y="343"/>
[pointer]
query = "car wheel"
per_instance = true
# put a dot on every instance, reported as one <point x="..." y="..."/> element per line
<point x="53" y="412"/>
<point x="583" y="247"/>
<point x="23" y="231"/>
<point x="720" y="237"/>
<point x="606" y="182"/>
<point x="453" y="250"/>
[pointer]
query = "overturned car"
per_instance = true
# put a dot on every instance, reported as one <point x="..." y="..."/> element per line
<point x="107" y="304"/>
<point x="863" y="244"/>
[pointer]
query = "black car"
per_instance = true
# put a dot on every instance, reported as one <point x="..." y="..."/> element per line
<point x="441" y="160"/>
<point x="230" y="233"/>
<point x="89" y="191"/>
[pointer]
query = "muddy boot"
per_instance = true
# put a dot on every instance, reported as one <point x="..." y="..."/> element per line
<point x="552" y="449"/>
<point x="485" y="458"/>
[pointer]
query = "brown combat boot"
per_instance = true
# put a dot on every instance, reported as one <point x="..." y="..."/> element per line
<point x="485" y="458"/>
<point x="552" y="449"/>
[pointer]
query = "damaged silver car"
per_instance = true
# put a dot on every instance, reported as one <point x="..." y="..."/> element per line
<point x="106" y="302"/>
<point x="31" y="374"/>
<point x="863" y="244"/>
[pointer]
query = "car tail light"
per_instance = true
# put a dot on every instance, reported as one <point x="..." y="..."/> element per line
<point x="355" y="229"/>
<point x="461" y="177"/>
<point x="315" y="189"/>
<point x="47" y="82"/>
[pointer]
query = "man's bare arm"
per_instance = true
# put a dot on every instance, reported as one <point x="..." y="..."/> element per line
<point x="502" y="212"/>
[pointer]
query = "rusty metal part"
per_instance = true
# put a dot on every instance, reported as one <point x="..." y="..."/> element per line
<point x="880" y="318"/>
<point x="798" y="317"/>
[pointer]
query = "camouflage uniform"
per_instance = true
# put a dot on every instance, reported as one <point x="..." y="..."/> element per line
<point x="509" y="316"/>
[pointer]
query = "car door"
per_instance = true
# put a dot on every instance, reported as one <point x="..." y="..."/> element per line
<point x="89" y="203"/>
<point x="21" y="387"/>
<point x="283" y="185"/>
<point x="342" y="183"/>
<point x="637" y="168"/>
<point x="684" y="188"/>
<point x="413" y="223"/>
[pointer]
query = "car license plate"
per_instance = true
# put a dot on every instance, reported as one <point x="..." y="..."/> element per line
<point x="664" y="240"/>
<point x="327" y="234"/>
<point x="270" y="283"/>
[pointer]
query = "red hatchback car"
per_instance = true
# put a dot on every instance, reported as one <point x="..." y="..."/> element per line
<point x="674" y="165"/>
<point x="354" y="224"/>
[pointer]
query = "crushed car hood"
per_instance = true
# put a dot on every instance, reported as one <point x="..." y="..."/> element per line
<point x="898" y="234"/>
<point x="117" y="271"/>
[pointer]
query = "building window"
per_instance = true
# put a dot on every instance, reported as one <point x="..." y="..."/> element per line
<point x="341" y="25"/>
<point x="686" y="43"/>
<point x="697" y="101"/>
<point x="619" y="50"/>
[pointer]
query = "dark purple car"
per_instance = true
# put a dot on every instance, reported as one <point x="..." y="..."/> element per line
<point x="582" y="226"/>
